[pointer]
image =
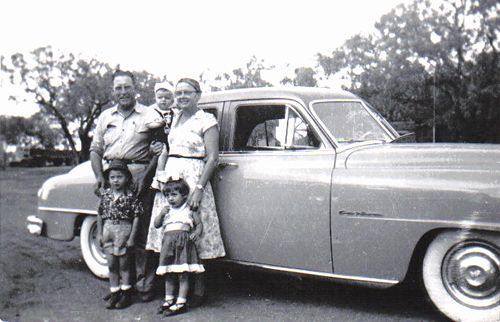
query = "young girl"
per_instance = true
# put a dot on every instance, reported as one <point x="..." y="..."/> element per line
<point x="117" y="222"/>
<point x="178" y="256"/>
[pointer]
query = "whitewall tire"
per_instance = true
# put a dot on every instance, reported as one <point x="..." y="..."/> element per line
<point x="461" y="273"/>
<point x="92" y="253"/>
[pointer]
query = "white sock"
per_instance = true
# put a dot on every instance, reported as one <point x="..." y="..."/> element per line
<point x="114" y="289"/>
<point x="126" y="287"/>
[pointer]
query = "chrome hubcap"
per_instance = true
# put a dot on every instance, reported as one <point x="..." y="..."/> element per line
<point x="471" y="274"/>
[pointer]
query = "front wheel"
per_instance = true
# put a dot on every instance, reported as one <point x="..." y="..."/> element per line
<point x="461" y="273"/>
<point x="91" y="251"/>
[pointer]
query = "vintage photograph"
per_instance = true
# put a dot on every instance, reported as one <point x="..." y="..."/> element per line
<point x="250" y="161"/>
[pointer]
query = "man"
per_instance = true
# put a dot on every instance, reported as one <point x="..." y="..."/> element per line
<point x="121" y="133"/>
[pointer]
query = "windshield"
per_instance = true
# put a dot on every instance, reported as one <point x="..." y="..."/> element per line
<point x="351" y="121"/>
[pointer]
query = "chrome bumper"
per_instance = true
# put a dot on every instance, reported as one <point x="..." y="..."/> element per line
<point x="35" y="225"/>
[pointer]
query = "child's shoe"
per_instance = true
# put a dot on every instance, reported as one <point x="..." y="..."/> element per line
<point x="125" y="300"/>
<point x="113" y="300"/>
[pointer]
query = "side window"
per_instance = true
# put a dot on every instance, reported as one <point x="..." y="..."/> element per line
<point x="271" y="127"/>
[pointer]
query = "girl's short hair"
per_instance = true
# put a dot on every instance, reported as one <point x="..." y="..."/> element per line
<point x="177" y="185"/>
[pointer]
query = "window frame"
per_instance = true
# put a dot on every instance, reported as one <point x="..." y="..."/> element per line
<point x="299" y="110"/>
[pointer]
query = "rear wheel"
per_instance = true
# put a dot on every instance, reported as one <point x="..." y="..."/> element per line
<point x="91" y="251"/>
<point x="461" y="273"/>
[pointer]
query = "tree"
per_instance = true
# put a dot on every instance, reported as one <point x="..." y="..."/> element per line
<point x="247" y="77"/>
<point x="425" y="52"/>
<point x="304" y="76"/>
<point x="71" y="91"/>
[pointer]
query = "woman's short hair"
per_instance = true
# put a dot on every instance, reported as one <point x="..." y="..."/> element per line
<point x="192" y="82"/>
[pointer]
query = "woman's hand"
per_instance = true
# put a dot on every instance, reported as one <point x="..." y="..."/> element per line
<point x="194" y="236"/>
<point x="195" y="199"/>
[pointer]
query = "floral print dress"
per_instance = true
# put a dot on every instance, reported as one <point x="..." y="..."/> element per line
<point x="187" y="140"/>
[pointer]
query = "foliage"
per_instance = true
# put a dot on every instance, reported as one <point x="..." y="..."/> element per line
<point x="34" y="131"/>
<point x="304" y="76"/>
<point x="71" y="91"/>
<point x="444" y="51"/>
<point x="247" y="77"/>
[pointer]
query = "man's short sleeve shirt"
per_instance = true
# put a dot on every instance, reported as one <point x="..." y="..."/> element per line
<point x="119" y="137"/>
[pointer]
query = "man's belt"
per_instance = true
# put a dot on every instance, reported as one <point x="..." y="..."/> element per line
<point x="128" y="161"/>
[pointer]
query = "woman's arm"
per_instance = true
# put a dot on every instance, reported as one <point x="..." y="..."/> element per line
<point x="211" y="139"/>
<point x="198" y="226"/>
<point x="162" y="160"/>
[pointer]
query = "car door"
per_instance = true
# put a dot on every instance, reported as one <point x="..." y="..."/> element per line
<point x="272" y="186"/>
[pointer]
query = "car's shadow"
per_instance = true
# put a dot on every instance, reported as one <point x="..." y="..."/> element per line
<point x="400" y="302"/>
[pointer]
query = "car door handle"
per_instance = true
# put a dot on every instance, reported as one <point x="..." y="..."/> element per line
<point x="223" y="165"/>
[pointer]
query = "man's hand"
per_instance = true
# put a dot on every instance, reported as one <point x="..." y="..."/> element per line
<point x="155" y="147"/>
<point x="99" y="184"/>
<point x="130" y="243"/>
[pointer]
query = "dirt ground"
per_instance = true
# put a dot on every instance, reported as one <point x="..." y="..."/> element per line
<point x="45" y="280"/>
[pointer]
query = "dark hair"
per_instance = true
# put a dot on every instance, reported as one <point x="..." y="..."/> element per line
<point x="192" y="82"/>
<point x="177" y="185"/>
<point x="120" y="72"/>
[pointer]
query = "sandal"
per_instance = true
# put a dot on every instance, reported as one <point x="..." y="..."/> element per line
<point x="165" y="306"/>
<point x="177" y="308"/>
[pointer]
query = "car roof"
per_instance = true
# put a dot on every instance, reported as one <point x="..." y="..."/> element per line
<point x="297" y="93"/>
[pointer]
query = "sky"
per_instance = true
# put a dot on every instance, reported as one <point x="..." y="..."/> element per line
<point x="184" y="38"/>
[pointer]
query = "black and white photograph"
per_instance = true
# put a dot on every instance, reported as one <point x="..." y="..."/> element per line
<point x="318" y="160"/>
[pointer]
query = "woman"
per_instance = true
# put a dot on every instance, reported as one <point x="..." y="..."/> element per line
<point x="193" y="152"/>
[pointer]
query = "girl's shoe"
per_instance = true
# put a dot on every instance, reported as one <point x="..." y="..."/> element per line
<point x="113" y="299"/>
<point x="165" y="306"/>
<point x="177" y="308"/>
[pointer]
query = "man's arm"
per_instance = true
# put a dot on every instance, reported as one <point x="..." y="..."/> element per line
<point x="133" y="232"/>
<point x="96" y="162"/>
<point x="144" y="181"/>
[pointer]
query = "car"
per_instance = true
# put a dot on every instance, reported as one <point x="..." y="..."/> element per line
<point x="316" y="182"/>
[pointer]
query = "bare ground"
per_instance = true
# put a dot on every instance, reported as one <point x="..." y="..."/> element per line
<point x="45" y="280"/>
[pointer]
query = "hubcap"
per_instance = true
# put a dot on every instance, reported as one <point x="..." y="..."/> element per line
<point x="471" y="274"/>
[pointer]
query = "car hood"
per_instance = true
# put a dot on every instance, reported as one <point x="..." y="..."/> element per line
<point x="483" y="157"/>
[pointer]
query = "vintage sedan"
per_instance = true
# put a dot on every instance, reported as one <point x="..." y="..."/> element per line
<point x="316" y="182"/>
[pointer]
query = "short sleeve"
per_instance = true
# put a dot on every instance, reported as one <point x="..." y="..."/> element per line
<point x="208" y="121"/>
<point x="153" y="118"/>
<point x="97" y="144"/>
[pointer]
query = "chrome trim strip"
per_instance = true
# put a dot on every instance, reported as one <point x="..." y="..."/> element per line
<point x="69" y="210"/>
<point x="453" y="224"/>
<point x="278" y="152"/>
<point x="314" y="273"/>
